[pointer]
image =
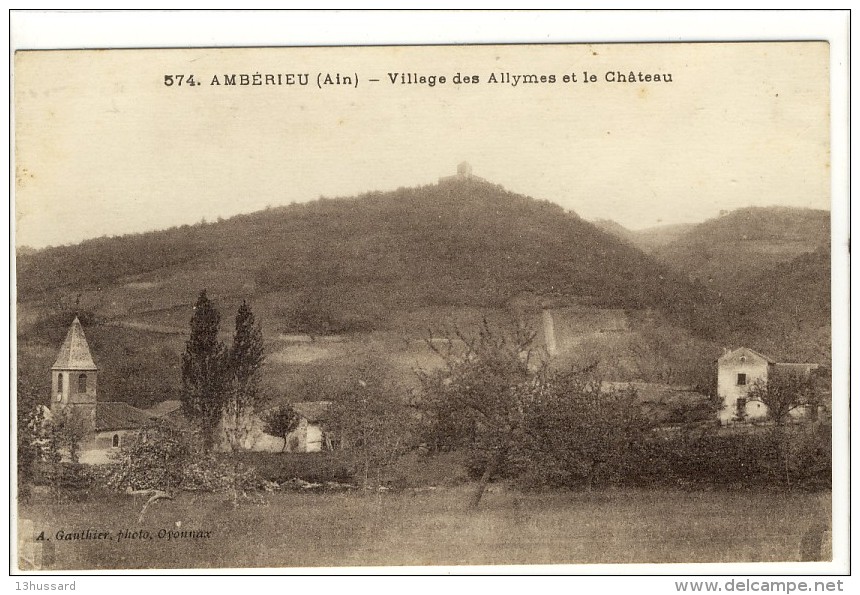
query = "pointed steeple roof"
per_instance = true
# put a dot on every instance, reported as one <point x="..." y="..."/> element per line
<point x="75" y="353"/>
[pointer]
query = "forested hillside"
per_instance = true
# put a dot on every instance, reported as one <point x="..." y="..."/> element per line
<point x="727" y="252"/>
<point x="373" y="271"/>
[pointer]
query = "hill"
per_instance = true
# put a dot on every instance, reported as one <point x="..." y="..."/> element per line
<point x="648" y="239"/>
<point x="460" y="243"/>
<point x="785" y="310"/>
<point x="724" y="253"/>
<point x="338" y="280"/>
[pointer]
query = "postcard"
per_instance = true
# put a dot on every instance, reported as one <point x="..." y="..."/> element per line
<point x="425" y="306"/>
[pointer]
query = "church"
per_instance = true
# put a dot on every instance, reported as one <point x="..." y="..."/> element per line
<point x="74" y="384"/>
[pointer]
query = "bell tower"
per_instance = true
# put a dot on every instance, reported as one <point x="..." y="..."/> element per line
<point x="74" y="375"/>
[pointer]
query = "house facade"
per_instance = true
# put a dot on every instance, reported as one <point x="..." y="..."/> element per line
<point x="309" y="435"/>
<point x="740" y="369"/>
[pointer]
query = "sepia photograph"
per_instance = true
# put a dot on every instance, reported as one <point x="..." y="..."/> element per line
<point x="424" y="306"/>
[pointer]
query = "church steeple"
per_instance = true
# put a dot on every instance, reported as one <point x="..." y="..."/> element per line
<point x="74" y="374"/>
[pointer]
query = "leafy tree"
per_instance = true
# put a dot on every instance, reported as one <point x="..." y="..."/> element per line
<point x="246" y="361"/>
<point x="61" y="436"/>
<point x="68" y="428"/>
<point x="280" y="422"/>
<point x="29" y="434"/>
<point x="578" y="431"/>
<point x="204" y="370"/>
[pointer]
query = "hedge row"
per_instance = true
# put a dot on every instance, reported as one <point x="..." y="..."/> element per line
<point x="792" y="457"/>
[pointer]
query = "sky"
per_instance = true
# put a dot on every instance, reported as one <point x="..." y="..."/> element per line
<point x="104" y="147"/>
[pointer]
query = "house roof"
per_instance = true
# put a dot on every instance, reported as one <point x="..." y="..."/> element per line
<point x="732" y="352"/>
<point x="113" y="415"/>
<point x="791" y="367"/>
<point x="75" y="352"/>
<point x="313" y="411"/>
<point x="783" y="366"/>
<point x="164" y="408"/>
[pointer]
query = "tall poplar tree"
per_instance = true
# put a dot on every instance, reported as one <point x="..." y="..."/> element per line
<point x="204" y="370"/>
<point x="246" y="360"/>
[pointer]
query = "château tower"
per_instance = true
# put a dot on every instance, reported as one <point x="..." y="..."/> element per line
<point x="74" y="375"/>
<point x="464" y="174"/>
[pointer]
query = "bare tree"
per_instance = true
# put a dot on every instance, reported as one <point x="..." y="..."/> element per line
<point x="478" y="399"/>
<point x="783" y="393"/>
<point x="372" y="419"/>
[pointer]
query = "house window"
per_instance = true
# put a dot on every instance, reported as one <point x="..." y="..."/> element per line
<point x="82" y="383"/>
<point x="116" y="440"/>
<point x="742" y="379"/>
<point x="741" y="407"/>
<point x="60" y="382"/>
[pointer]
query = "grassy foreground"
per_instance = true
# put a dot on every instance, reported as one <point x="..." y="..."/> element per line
<point x="434" y="528"/>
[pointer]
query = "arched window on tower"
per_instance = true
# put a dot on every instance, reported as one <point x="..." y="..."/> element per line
<point x="116" y="440"/>
<point x="82" y="383"/>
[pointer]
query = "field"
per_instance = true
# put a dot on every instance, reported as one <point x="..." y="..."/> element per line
<point x="434" y="527"/>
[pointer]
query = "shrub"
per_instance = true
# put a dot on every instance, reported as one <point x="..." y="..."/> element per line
<point x="165" y="457"/>
<point x="794" y="457"/>
<point x="419" y="469"/>
<point x="153" y="459"/>
<point x="316" y="467"/>
<point x="213" y="473"/>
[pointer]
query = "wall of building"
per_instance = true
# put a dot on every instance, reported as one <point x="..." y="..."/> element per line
<point x="307" y="437"/>
<point x="99" y="449"/>
<point x="105" y="439"/>
<point x="70" y="392"/>
<point x="729" y="390"/>
<point x="313" y="438"/>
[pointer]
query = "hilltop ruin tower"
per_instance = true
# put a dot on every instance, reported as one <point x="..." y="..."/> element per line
<point x="464" y="173"/>
<point x="74" y="376"/>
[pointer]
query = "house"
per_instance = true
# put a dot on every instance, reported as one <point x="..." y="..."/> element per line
<point x="309" y="436"/>
<point x="74" y="384"/>
<point x="740" y="369"/>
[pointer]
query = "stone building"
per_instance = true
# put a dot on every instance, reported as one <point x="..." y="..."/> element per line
<point x="74" y="384"/>
<point x="738" y="370"/>
<point x="464" y="173"/>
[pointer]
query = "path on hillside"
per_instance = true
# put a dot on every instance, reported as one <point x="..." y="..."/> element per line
<point x="147" y="327"/>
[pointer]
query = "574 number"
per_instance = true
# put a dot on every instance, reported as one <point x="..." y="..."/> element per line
<point x="179" y="80"/>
